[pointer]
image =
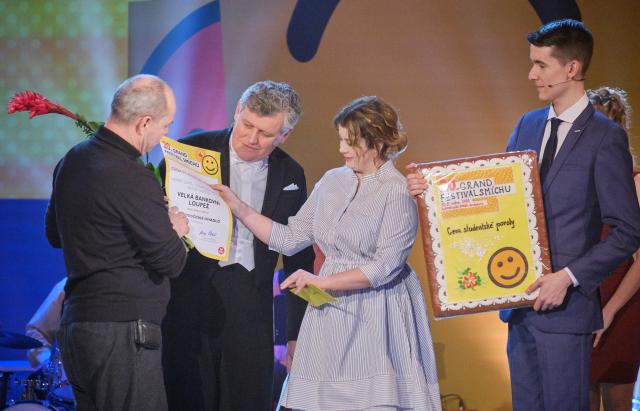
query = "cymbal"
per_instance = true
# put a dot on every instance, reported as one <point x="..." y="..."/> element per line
<point x="19" y="341"/>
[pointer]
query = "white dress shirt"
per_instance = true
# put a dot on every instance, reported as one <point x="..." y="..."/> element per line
<point x="249" y="181"/>
<point x="568" y="117"/>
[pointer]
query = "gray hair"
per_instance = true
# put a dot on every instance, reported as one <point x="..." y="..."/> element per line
<point x="267" y="98"/>
<point x="140" y="95"/>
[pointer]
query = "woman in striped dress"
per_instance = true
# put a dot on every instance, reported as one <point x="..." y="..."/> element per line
<point x="371" y="349"/>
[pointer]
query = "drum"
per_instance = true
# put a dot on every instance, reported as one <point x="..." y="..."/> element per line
<point x="36" y="387"/>
<point x="61" y="399"/>
<point x="27" y="406"/>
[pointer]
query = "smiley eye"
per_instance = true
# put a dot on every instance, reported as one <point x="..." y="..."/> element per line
<point x="499" y="264"/>
<point x="510" y="259"/>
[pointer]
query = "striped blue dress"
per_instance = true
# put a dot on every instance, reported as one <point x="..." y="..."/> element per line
<point x="371" y="349"/>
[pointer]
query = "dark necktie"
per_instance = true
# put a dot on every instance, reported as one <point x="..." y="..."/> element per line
<point x="550" y="149"/>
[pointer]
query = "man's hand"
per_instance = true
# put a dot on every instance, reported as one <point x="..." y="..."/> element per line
<point x="553" y="289"/>
<point x="291" y="349"/>
<point x="416" y="183"/>
<point x="179" y="221"/>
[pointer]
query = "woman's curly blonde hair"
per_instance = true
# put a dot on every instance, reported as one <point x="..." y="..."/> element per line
<point x="612" y="102"/>
<point x="376" y="122"/>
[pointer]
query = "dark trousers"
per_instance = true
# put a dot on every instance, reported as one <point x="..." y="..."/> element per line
<point x="218" y="335"/>
<point x="549" y="371"/>
<point x="108" y="371"/>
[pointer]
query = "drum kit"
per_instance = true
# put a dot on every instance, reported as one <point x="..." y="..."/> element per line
<point x="23" y="389"/>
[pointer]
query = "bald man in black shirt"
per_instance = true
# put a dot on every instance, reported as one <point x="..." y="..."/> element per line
<point x="120" y="246"/>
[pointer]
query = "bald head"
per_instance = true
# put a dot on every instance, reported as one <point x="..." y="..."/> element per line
<point x="142" y="109"/>
<point x="140" y="95"/>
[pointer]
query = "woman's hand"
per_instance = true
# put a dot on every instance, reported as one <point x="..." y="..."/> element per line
<point x="416" y="183"/>
<point x="300" y="279"/>
<point x="258" y="224"/>
<point x="607" y="319"/>
<point x="229" y="197"/>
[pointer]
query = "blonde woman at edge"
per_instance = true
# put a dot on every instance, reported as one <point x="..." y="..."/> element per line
<point x="371" y="348"/>
<point x="616" y="348"/>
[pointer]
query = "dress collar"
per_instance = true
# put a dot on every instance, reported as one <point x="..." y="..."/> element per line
<point x="385" y="169"/>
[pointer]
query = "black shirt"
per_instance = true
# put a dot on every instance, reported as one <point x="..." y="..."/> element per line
<point x="108" y="214"/>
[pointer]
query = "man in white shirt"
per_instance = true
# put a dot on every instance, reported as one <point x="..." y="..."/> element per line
<point x="218" y="352"/>
<point x="44" y="325"/>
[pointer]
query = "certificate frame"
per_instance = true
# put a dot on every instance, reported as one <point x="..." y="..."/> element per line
<point x="472" y="266"/>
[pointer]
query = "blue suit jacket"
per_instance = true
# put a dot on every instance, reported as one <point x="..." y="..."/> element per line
<point x="590" y="183"/>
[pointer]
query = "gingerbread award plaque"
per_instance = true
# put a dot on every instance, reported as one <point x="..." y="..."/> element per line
<point x="484" y="233"/>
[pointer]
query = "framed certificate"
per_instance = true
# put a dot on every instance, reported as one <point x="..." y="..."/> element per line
<point x="484" y="232"/>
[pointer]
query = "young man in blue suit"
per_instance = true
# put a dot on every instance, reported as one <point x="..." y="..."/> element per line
<point x="586" y="176"/>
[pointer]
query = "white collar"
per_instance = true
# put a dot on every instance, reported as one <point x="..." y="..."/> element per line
<point x="571" y="114"/>
<point x="234" y="158"/>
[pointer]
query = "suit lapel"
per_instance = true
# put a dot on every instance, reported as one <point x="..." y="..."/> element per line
<point x="569" y="142"/>
<point x="275" y="178"/>
<point x="219" y="141"/>
<point x="224" y="160"/>
<point x="539" y="126"/>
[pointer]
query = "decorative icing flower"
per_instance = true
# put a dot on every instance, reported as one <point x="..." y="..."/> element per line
<point x="468" y="279"/>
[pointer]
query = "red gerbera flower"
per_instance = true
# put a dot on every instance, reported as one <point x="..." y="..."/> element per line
<point x="36" y="104"/>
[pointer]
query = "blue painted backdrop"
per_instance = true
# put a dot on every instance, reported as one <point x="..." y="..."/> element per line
<point x="30" y="266"/>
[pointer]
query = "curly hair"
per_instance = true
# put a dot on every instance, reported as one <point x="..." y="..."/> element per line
<point x="612" y="102"/>
<point x="376" y="122"/>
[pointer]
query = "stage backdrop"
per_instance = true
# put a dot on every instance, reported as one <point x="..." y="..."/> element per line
<point x="73" y="52"/>
<point x="457" y="71"/>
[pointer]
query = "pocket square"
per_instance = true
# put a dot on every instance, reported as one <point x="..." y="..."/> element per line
<point x="291" y="187"/>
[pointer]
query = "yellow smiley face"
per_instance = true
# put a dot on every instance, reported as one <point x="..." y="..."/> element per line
<point x="507" y="267"/>
<point x="209" y="165"/>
